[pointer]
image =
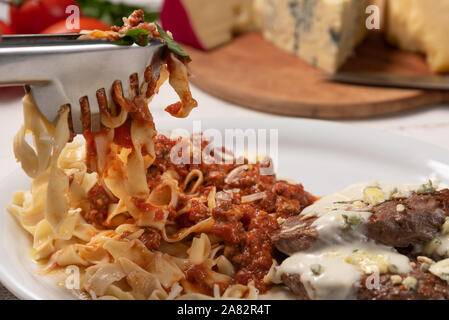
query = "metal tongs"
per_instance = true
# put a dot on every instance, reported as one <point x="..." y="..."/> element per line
<point x="60" y="70"/>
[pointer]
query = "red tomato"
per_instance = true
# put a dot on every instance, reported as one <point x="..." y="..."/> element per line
<point x="33" y="16"/>
<point x="6" y="29"/>
<point x="85" y="24"/>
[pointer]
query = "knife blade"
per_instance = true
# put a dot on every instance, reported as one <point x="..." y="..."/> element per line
<point x="428" y="82"/>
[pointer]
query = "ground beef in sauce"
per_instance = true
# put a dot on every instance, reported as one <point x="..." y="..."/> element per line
<point x="197" y="213"/>
<point x="197" y="276"/>
<point x="246" y="229"/>
<point x="151" y="238"/>
<point x="256" y="257"/>
<point x="99" y="201"/>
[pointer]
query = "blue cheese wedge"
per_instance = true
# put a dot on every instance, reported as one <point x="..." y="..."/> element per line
<point x="322" y="32"/>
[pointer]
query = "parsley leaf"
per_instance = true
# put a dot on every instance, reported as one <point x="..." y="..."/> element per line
<point x="138" y="36"/>
<point x="172" y="44"/>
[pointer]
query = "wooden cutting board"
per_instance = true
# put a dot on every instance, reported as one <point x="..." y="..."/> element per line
<point x="253" y="73"/>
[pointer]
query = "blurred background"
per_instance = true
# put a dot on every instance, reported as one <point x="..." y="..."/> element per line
<point x="272" y="55"/>
<point x="264" y="57"/>
<point x="45" y="16"/>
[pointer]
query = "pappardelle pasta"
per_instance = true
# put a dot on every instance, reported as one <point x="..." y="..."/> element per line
<point x="136" y="224"/>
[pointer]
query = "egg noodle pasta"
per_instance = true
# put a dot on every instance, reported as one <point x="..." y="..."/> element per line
<point x="137" y="225"/>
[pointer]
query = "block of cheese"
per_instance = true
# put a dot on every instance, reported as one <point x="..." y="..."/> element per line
<point x="206" y="24"/>
<point x="421" y="26"/>
<point x="322" y="32"/>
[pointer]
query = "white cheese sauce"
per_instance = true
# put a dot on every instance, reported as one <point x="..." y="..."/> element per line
<point x="342" y="253"/>
<point x="331" y="273"/>
<point x="438" y="246"/>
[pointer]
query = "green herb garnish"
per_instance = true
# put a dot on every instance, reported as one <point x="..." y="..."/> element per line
<point x="316" y="269"/>
<point x="172" y="44"/>
<point x="426" y="188"/>
<point x="394" y="193"/>
<point x="138" y="36"/>
<point x="425" y="267"/>
<point x="393" y="268"/>
<point x="352" y="221"/>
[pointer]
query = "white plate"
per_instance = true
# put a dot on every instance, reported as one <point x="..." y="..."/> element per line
<point x="324" y="156"/>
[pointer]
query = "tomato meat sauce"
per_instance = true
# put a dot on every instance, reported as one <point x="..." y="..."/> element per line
<point x="122" y="135"/>
<point x="245" y="227"/>
<point x="247" y="211"/>
<point x="99" y="201"/>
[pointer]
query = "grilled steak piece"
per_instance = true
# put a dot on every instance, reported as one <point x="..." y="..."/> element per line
<point x="410" y="221"/>
<point x="398" y="223"/>
<point x="296" y="234"/>
<point x="427" y="287"/>
<point x="293" y="281"/>
<point x="416" y="220"/>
